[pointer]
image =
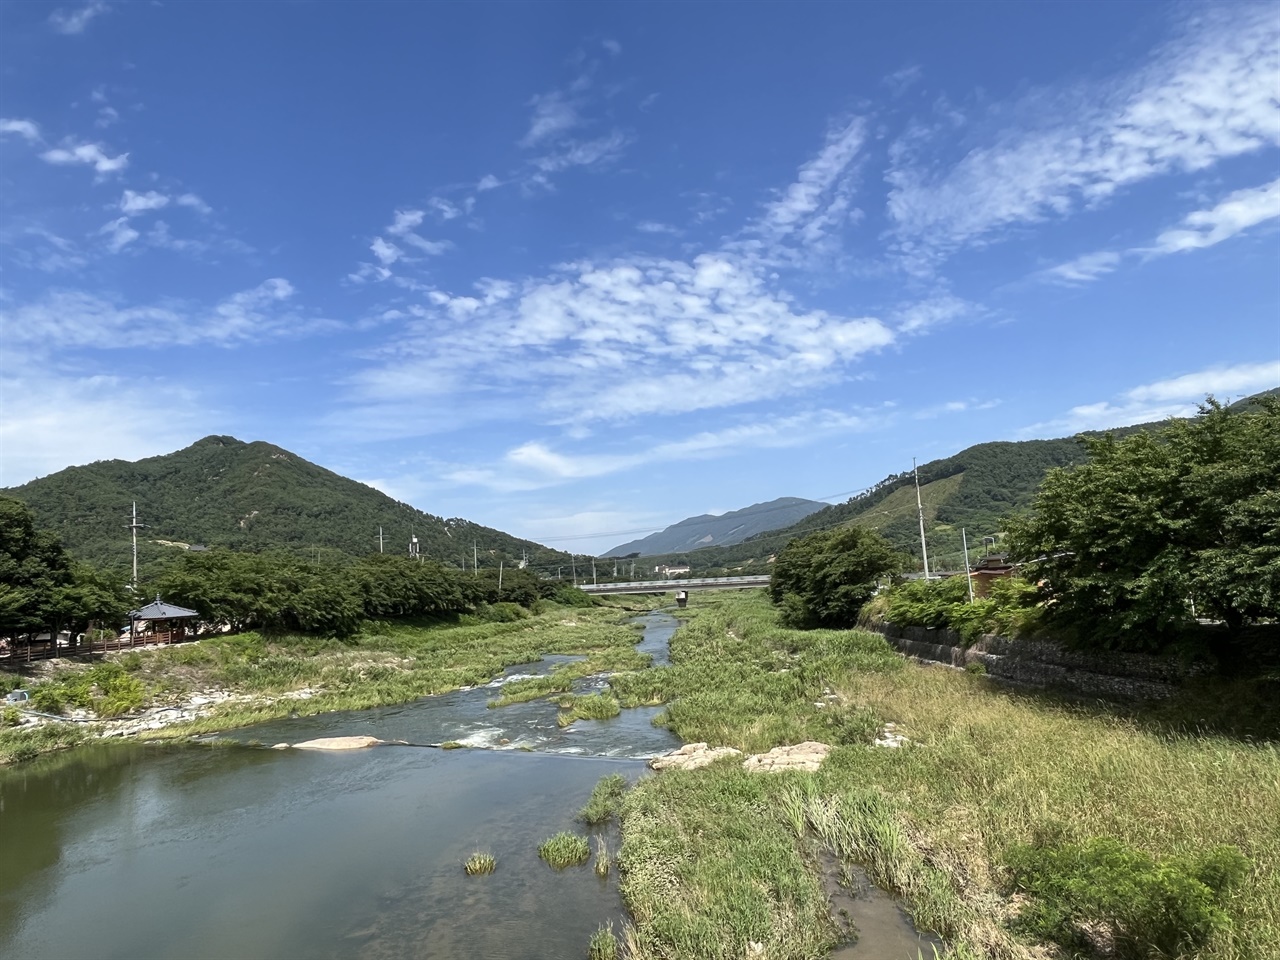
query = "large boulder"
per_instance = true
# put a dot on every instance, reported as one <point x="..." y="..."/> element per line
<point x="692" y="756"/>
<point x="802" y="756"/>
<point x="339" y="743"/>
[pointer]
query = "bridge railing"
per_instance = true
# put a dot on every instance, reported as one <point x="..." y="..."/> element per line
<point x="682" y="583"/>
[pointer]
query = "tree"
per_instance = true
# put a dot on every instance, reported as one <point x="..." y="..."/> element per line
<point x="1160" y="527"/>
<point x="826" y="577"/>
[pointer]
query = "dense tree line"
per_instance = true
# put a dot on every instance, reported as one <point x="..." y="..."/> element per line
<point x="1159" y="529"/>
<point x="42" y="590"/>
<point x="824" y="579"/>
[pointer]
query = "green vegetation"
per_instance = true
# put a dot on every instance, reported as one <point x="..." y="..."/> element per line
<point x="385" y="663"/>
<point x="717" y="857"/>
<point x="605" y="801"/>
<point x="565" y="850"/>
<point x="41" y="588"/>
<point x="603" y="945"/>
<point x="602" y="858"/>
<point x="1170" y="908"/>
<point x="480" y="863"/>
<point x="1012" y="608"/>
<point x="596" y="706"/>
<point x="1159" y="528"/>
<point x="824" y="579"/>
<point x="222" y="492"/>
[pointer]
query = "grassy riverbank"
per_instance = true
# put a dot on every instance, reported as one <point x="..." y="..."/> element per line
<point x="715" y="860"/>
<point x="274" y="676"/>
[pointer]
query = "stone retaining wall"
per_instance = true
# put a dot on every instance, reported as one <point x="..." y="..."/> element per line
<point x="1042" y="663"/>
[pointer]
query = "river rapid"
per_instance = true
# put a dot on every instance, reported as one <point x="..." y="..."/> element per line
<point x="229" y="850"/>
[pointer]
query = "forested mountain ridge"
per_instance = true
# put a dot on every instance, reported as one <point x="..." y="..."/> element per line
<point x="707" y="530"/>
<point x="970" y="490"/>
<point x="224" y="492"/>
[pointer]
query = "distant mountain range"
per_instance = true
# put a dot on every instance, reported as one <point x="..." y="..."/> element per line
<point x="223" y="492"/>
<point x="730" y="528"/>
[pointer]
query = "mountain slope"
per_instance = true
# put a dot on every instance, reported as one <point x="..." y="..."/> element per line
<point x="971" y="490"/>
<point x="223" y="492"/>
<point x="733" y="527"/>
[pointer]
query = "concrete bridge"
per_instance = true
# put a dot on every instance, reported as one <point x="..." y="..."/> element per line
<point x="680" y="583"/>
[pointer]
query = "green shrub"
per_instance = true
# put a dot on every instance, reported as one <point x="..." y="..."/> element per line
<point x="606" y="799"/>
<point x="1168" y="908"/>
<point x="565" y="850"/>
<point x="49" y="698"/>
<point x="603" y="945"/>
<point x="10" y="717"/>
<point x="571" y="596"/>
<point x="975" y="668"/>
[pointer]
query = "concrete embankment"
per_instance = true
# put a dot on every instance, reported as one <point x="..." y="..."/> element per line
<point x="1043" y="663"/>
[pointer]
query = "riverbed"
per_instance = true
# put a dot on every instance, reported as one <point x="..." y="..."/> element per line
<point x="229" y="849"/>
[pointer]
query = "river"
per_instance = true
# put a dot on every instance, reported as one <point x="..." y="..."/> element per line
<point x="230" y="850"/>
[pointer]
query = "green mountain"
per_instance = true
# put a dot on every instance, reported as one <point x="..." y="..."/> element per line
<point x="706" y="530"/>
<point x="223" y="492"/>
<point x="970" y="491"/>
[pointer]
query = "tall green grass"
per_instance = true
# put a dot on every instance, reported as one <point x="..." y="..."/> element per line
<point x="989" y="770"/>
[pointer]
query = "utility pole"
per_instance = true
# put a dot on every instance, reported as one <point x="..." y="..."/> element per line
<point x="500" y="562"/>
<point x="475" y="559"/>
<point x="413" y="548"/>
<point x="134" y="526"/>
<point x="924" y="550"/>
<point x="968" y="574"/>
<point x="381" y="538"/>
<point x="573" y="559"/>
<point x="593" y="571"/>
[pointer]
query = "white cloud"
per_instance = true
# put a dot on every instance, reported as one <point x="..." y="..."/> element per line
<point x="613" y="46"/>
<point x="1083" y="269"/>
<point x="1174" y="397"/>
<point x="1206" y="96"/>
<point x="1204" y="228"/>
<point x="488" y="182"/>
<point x="819" y="193"/>
<point x="194" y="202"/>
<point x="71" y="318"/>
<point x="1239" y="211"/>
<point x="134" y="203"/>
<point x="535" y="465"/>
<point x="432" y="248"/>
<point x="88" y="153"/>
<point x="652" y="226"/>
<point x="387" y="253"/>
<point x="119" y="234"/>
<point x="26" y="129"/>
<point x="445" y="209"/>
<point x="921" y="315"/>
<point x="406" y="221"/>
<point x="54" y="422"/>
<point x="682" y="337"/>
<point x="553" y="115"/>
<point x="575" y="153"/>
<point x="1224" y="382"/>
<point x="75" y="21"/>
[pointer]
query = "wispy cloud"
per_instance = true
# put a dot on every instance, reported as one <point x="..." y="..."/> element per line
<point x="1173" y="397"/>
<point x="921" y="315"/>
<point x="132" y="203"/>
<point x="1207" y="95"/>
<point x="810" y="213"/>
<point x="119" y="234"/>
<point x="54" y="422"/>
<point x="75" y="21"/>
<point x="26" y="129"/>
<point x="683" y="335"/>
<point x="1239" y="211"/>
<point x="1234" y="214"/>
<point x="73" y="318"/>
<point x="554" y="113"/>
<point x="92" y="154"/>
<point x="535" y="465"/>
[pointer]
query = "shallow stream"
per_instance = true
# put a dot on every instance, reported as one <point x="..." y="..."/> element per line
<point x="133" y="851"/>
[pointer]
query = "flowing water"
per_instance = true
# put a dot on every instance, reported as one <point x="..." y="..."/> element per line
<point x="225" y="849"/>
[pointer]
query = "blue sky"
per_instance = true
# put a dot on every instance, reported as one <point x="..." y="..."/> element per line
<point x="587" y="269"/>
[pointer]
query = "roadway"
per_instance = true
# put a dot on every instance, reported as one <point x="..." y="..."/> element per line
<point x="681" y="583"/>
